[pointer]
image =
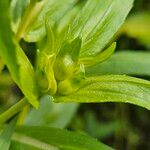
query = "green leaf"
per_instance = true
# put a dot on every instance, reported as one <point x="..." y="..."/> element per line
<point x="17" y="10"/>
<point x="102" y="56"/>
<point x="97" y="23"/>
<point x="123" y="62"/>
<point x="5" y="136"/>
<point x="97" y="27"/>
<point x="51" y="114"/>
<point x="111" y="88"/>
<point x="30" y="15"/>
<point x="13" y="56"/>
<point x="60" y="138"/>
<point x="137" y="26"/>
<point x="53" y="9"/>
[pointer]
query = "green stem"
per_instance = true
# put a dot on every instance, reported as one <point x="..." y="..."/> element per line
<point x="30" y="15"/>
<point x="13" y="110"/>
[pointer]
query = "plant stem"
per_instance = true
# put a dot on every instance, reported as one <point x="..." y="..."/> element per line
<point x="13" y="110"/>
<point x="30" y="15"/>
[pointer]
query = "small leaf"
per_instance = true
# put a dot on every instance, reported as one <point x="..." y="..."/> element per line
<point x="50" y="45"/>
<point x="13" y="56"/>
<point x="60" y="138"/>
<point x="123" y="62"/>
<point x="111" y="88"/>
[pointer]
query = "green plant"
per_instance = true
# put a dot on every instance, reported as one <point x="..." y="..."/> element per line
<point x="70" y="37"/>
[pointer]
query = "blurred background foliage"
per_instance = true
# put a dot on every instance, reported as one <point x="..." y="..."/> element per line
<point x="122" y="126"/>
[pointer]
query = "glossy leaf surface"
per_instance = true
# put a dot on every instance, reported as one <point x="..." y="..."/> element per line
<point x="98" y="26"/>
<point x="112" y="88"/>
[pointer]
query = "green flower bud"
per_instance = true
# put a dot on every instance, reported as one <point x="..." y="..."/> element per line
<point x="45" y="74"/>
<point x="71" y="85"/>
<point x="67" y="59"/>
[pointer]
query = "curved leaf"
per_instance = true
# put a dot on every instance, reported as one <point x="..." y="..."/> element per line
<point x="54" y="9"/>
<point x="123" y="62"/>
<point x="97" y="23"/>
<point x="112" y="88"/>
<point x="13" y="56"/>
<point x="56" y="137"/>
<point x="102" y="56"/>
